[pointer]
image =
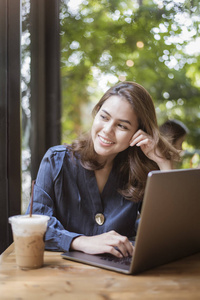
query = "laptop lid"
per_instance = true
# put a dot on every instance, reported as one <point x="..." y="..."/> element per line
<point x="169" y="228"/>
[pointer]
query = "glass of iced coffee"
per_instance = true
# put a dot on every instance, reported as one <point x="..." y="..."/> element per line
<point x="28" y="234"/>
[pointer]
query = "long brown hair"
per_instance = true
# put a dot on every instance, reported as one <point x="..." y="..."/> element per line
<point x="132" y="164"/>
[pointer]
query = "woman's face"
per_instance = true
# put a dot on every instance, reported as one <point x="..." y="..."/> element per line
<point x="113" y="127"/>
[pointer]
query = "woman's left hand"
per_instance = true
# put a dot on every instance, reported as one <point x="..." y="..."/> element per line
<point x="147" y="144"/>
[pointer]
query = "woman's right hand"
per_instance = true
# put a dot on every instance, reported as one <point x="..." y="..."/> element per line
<point x="107" y="242"/>
<point x="147" y="145"/>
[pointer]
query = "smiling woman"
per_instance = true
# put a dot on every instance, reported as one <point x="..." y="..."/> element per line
<point x="86" y="187"/>
<point x="112" y="130"/>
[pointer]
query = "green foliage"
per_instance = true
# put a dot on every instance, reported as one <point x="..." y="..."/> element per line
<point x="99" y="44"/>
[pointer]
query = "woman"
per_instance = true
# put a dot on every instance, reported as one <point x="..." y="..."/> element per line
<point x="93" y="189"/>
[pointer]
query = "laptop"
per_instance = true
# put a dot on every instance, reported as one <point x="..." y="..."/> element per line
<point x="169" y="228"/>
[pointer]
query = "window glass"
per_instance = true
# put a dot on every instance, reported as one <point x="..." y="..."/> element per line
<point x="25" y="103"/>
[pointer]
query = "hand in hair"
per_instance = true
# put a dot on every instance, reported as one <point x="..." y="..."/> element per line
<point x="149" y="147"/>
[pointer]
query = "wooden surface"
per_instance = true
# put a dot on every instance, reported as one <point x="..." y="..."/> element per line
<point x="63" y="279"/>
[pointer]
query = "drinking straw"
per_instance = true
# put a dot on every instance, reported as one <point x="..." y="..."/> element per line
<point x="31" y="205"/>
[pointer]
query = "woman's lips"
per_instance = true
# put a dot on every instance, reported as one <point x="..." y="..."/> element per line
<point x="105" y="140"/>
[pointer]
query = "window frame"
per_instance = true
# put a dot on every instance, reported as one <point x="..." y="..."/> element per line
<point x="10" y="136"/>
<point x="45" y="99"/>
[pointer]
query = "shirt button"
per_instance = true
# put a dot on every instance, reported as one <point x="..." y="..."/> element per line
<point x="99" y="218"/>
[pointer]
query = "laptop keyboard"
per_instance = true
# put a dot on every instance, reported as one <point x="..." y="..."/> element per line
<point x="124" y="260"/>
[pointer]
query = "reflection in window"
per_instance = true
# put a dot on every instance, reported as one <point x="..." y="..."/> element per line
<point x="25" y="104"/>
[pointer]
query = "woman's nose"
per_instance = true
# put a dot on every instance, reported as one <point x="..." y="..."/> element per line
<point x="108" y="127"/>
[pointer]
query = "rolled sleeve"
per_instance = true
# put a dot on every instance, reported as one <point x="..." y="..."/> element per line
<point x="57" y="238"/>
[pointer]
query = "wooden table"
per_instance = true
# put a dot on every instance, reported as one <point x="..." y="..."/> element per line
<point x="62" y="279"/>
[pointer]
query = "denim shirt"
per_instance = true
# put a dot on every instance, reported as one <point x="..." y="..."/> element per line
<point x="69" y="194"/>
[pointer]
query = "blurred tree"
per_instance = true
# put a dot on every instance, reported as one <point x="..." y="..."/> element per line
<point x="106" y="41"/>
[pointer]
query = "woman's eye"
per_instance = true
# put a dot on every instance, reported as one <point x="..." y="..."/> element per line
<point x="103" y="117"/>
<point x="122" y="127"/>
